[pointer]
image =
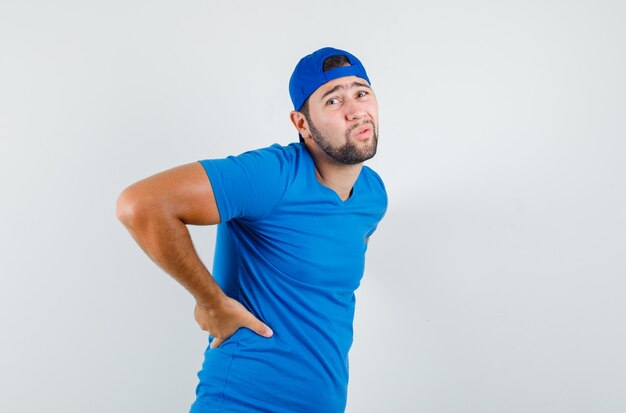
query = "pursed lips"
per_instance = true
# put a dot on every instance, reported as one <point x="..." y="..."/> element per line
<point x="360" y="129"/>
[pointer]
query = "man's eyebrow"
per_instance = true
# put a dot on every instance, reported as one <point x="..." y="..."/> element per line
<point x="336" y="88"/>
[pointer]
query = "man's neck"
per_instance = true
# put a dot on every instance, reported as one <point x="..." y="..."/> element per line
<point x="336" y="176"/>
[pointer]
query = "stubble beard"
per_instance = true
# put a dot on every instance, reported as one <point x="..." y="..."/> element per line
<point x="349" y="153"/>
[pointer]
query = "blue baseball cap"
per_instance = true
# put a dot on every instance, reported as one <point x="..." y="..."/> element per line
<point x="309" y="74"/>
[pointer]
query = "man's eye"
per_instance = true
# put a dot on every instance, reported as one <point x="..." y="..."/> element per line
<point x="332" y="101"/>
<point x="362" y="93"/>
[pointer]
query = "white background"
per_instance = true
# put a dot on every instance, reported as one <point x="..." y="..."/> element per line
<point x="496" y="282"/>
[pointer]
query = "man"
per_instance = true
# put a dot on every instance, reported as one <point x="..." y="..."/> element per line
<point x="293" y="228"/>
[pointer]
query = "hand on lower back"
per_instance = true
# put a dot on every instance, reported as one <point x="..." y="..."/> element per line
<point x="223" y="318"/>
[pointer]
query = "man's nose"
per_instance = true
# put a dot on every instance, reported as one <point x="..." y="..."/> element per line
<point x="354" y="110"/>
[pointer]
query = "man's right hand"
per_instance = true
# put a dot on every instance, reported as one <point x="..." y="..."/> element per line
<point x="156" y="211"/>
<point x="225" y="316"/>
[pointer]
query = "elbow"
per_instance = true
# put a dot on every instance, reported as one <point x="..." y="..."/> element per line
<point x="137" y="208"/>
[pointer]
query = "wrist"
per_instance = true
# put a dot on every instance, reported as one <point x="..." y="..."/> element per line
<point x="210" y="302"/>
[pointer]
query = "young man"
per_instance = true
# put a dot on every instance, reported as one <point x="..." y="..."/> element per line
<point x="293" y="228"/>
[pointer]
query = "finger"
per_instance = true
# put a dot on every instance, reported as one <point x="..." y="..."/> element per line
<point x="216" y="342"/>
<point x="261" y="328"/>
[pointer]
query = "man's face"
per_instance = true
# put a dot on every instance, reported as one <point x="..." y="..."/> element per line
<point x="343" y="120"/>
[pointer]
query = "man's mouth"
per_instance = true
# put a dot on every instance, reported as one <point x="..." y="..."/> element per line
<point x="363" y="132"/>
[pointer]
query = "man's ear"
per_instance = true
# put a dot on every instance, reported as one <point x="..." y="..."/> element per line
<point x="299" y="121"/>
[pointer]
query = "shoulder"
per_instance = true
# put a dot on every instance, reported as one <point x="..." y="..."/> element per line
<point x="277" y="149"/>
<point x="277" y="154"/>
<point x="250" y="184"/>
<point x="275" y="158"/>
<point x="374" y="179"/>
<point x="375" y="188"/>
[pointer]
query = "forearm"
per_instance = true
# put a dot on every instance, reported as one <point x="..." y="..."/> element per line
<point x="166" y="240"/>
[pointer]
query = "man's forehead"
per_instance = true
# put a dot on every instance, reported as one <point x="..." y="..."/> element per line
<point x="347" y="82"/>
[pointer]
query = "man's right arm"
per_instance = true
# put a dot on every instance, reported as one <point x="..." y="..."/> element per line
<point x="156" y="212"/>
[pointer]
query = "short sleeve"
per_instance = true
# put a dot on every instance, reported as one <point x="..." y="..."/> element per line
<point x="371" y="231"/>
<point x="248" y="186"/>
<point x="380" y="195"/>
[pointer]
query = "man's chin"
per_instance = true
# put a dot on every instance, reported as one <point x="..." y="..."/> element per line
<point x="362" y="156"/>
<point x="366" y="150"/>
<point x="369" y="156"/>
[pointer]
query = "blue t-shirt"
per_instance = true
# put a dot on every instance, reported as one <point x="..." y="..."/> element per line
<point x="293" y="253"/>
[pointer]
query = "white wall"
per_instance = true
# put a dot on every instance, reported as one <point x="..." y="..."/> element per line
<point x="496" y="282"/>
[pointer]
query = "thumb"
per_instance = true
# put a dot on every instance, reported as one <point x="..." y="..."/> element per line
<point x="261" y="329"/>
<point x="216" y="342"/>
